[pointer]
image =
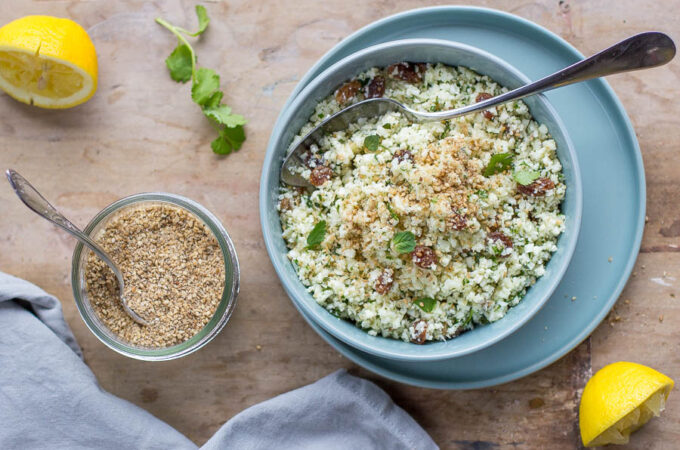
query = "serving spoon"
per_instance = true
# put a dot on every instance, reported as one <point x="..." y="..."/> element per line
<point x="641" y="51"/>
<point x="37" y="203"/>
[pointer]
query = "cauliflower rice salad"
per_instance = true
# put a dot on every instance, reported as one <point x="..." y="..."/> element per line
<point x="419" y="232"/>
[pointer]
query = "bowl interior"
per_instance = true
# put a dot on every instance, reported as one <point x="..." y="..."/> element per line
<point x="224" y="308"/>
<point x="297" y="114"/>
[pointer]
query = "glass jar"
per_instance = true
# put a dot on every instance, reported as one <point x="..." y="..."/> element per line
<point x="229" y="293"/>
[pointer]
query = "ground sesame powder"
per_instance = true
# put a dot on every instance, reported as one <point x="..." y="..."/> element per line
<point x="173" y="270"/>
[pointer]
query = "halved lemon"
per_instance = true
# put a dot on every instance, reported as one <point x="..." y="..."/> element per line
<point x="47" y="62"/>
<point x="619" y="399"/>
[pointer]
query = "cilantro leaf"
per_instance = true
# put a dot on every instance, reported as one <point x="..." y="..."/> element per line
<point x="498" y="163"/>
<point x="404" y="242"/>
<point x="222" y="115"/>
<point x="229" y="140"/>
<point x="205" y="86"/>
<point x="214" y="100"/>
<point x="203" y="20"/>
<point x="206" y="82"/>
<point x="317" y="234"/>
<point x="372" y="142"/>
<point x="526" y="177"/>
<point x="179" y="63"/>
<point x="427" y="304"/>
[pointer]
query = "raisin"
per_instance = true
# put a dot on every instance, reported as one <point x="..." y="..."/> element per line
<point x="538" y="188"/>
<point x="423" y="257"/>
<point x="457" y="222"/>
<point x="481" y="97"/>
<point x="320" y="174"/>
<point x="375" y="88"/>
<point x="284" y="204"/>
<point x="497" y="236"/>
<point x="347" y="91"/>
<point x="420" y="336"/>
<point x="402" y="155"/>
<point x="406" y="71"/>
<point x="384" y="282"/>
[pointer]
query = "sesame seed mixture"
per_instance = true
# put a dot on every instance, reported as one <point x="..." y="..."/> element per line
<point x="432" y="228"/>
<point x="173" y="270"/>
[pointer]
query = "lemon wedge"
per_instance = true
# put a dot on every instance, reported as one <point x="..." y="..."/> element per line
<point x="619" y="399"/>
<point x="47" y="62"/>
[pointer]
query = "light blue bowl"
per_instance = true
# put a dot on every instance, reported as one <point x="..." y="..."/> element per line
<point x="297" y="114"/>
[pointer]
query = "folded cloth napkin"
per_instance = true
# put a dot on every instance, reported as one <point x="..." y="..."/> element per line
<point x="49" y="398"/>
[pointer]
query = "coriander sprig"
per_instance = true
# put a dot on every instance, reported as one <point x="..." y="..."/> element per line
<point x="205" y="86"/>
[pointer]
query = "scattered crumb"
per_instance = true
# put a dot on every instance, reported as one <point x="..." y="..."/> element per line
<point x="626" y="301"/>
<point x="672" y="295"/>
<point x="661" y="318"/>
<point x="573" y="299"/>
<point x="610" y="259"/>
<point x="643" y="267"/>
<point x="646" y="219"/>
<point x="545" y="327"/>
<point x="634" y="274"/>
<point x="258" y="347"/>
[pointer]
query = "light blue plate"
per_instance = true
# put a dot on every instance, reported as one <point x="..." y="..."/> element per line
<point x="613" y="196"/>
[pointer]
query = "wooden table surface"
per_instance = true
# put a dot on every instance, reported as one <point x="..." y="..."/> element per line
<point x="141" y="132"/>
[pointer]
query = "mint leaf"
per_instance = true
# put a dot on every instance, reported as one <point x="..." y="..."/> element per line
<point x="179" y="63"/>
<point x="404" y="242"/>
<point x="203" y="20"/>
<point x="427" y="304"/>
<point x="372" y="142"/>
<point x="317" y="234"/>
<point x="498" y="163"/>
<point x="526" y="177"/>
<point x="206" y="82"/>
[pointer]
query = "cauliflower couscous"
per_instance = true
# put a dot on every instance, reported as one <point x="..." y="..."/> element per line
<point x="421" y="231"/>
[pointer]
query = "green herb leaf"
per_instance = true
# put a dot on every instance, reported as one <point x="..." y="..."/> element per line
<point x="317" y="234"/>
<point x="498" y="163"/>
<point x="404" y="242"/>
<point x="214" y="100"/>
<point x="372" y="142"/>
<point x="229" y="140"/>
<point x="179" y="63"/>
<point x="203" y="20"/>
<point x="222" y="115"/>
<point x="387" y="126"/>
<point x="427" y="304"/>
<point x="205" y="84"/>
<point x="526" y="177"/>
<point x="392" y="213"/>
<point x="481" y="193"/>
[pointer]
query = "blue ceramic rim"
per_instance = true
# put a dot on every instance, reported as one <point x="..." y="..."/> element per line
<point x="330" y="323"/>
<point x="616" y="110"/>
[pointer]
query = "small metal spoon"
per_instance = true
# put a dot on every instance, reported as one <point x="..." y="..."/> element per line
<point x="36" y="202"/>
<point x="640" y="51"/>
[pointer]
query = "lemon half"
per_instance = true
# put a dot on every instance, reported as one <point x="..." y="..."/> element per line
<point x="619" y="399"/>
<point x="47" y="61"/>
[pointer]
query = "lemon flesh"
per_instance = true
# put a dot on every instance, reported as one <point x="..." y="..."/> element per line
<point x="619" y="399"/>
<point x="47" y="61"/>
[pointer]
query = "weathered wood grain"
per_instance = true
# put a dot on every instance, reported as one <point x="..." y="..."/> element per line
<point x="141" y="133"/>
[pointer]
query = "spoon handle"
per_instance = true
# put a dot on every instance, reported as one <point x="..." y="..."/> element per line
<point x="640" y="51"/>
<point x="36" y="202"/>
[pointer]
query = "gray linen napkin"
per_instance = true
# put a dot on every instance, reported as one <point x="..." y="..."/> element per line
<point x="49" y="398"/>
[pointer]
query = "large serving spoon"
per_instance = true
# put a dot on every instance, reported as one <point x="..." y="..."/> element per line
<point x="36" y="202"/>
<point x="640" y="51"/>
